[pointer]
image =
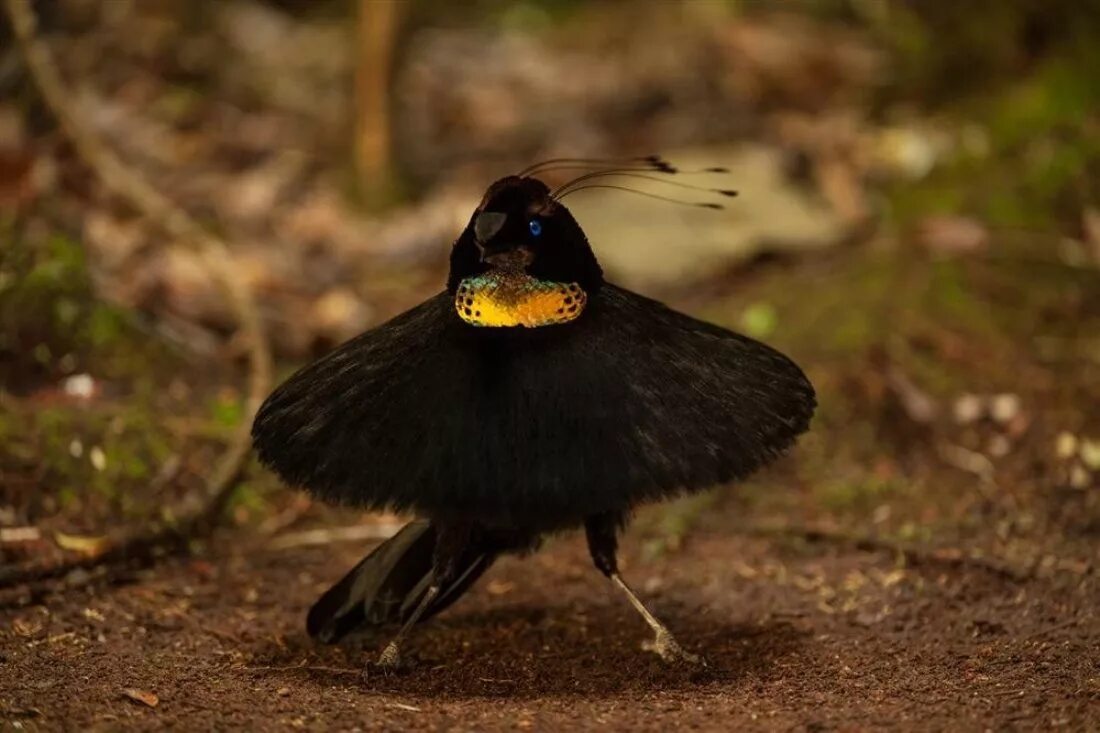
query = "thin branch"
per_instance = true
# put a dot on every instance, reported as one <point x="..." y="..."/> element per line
<point x="332" y="535"/>
<point x="132" y="188"/>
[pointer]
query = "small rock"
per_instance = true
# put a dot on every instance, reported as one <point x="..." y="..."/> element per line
<point x="968" y="408"/>
<point x="1065" y="445"/>
<point x="283" y="691"/>
<point x="98" y="458"/>
<point x="1004" y="407"/>
<point x="81" y="386"/>
<point x="1090" y="454"/>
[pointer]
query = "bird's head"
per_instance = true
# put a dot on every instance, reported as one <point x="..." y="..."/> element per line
<point x="523" y="260"/>
<point x="521" y="229"/>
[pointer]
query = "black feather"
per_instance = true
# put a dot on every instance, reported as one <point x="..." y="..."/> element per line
<point x="388" y="584"/>
<point x="533" y="427"/>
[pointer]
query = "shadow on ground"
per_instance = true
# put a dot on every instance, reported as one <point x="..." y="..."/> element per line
<point x="526" y="652"/>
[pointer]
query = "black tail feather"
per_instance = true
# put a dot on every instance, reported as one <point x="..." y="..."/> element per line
<point x="387" y="585"/>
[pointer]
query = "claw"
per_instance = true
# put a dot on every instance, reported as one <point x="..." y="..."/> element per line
<point x="668" y="649"/>
<point x="390" y="658"/>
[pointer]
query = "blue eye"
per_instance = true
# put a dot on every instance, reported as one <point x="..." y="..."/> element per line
<point x="535" y="226"/>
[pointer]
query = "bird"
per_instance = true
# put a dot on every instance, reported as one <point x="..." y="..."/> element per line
<point x="529" y="397"/>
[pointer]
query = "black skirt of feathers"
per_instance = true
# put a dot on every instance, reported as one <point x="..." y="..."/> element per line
<point x="533" y="427"/>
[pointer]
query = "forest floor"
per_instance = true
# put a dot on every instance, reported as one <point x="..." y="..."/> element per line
<point x="814" y="638"/>
<point x="880" y="576"/>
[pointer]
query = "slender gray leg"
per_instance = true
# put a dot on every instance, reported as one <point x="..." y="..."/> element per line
<point x="664" y="644"/>
<point x="390" y="658"/>
<point x="451" y="542"/>
<point x="602" y="532"/>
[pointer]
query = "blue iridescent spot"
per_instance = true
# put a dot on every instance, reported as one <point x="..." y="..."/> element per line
<point x="535" y="226"/>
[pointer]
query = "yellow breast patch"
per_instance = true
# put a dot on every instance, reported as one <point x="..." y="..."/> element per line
<point x="498" y="300"/>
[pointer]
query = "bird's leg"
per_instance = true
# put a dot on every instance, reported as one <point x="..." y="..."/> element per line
<point x="390" y="658"/>
<point x="451" y="541"/>
<point x="602" y="532"/>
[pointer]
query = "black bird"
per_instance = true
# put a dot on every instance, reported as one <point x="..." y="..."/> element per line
<point x="529" y="397"/>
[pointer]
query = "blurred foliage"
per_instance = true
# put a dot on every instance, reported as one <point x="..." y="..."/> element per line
<point x="1020" y="84"/>
<point x="90" y="459"/>
<point x="1017" y="323"/>
<point x="1027" y="75"/>
<point x="51" y="322"/>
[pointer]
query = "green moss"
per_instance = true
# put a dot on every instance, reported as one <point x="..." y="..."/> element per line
<point x="759" y="320"/>
<point x="862" y="494"/>
<point x="51" y="320"/>
<point x="1043" y="159"/>
<point x="671" y="523"/>
<point x="99" y="458"/>
<point x="227" y="410"/>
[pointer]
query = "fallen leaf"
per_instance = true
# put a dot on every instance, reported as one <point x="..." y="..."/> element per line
<point x="952" y="235"/>
<point x="143" y="696"/>
<point x="919" y="406"/>
<point x="1065" y="446"/>
<point x="499" y="587"/>
<point x="12" y="535"/>
<point x="26" y="627"/>
<point x="86" y="545"/>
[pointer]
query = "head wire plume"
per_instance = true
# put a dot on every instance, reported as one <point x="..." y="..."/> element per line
<point x="591" y="179"/>
<point x="646" y="162"/>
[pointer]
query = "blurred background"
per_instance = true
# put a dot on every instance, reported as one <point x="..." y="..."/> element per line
<point x="918" y="225"/>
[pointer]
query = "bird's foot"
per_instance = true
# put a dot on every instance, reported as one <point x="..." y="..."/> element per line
<point x="667" y="648"/>
<point x="389" y="661"/>
<point x="390" y="656"/>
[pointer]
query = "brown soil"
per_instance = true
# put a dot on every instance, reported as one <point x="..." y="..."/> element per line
<point x="804" y="637"/>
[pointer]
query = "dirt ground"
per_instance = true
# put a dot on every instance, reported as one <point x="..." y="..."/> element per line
<point x="798" y="637"/>
<point x="868" y="581"/>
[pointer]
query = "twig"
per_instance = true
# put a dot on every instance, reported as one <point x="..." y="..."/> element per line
<point x="304" y="668"/>
<point x="1049" y="630"/>
<point x="912" y="555"/>
<point x="354" y="533"/>
<point x="129" y="186"/>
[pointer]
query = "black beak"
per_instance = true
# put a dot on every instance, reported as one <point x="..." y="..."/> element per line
<point x="487" y="224"/>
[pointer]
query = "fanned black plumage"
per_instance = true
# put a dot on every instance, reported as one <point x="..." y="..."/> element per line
<point x="529" y="396"/>
<point x="536" y="427"/>
<point x="388" y="584"/>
